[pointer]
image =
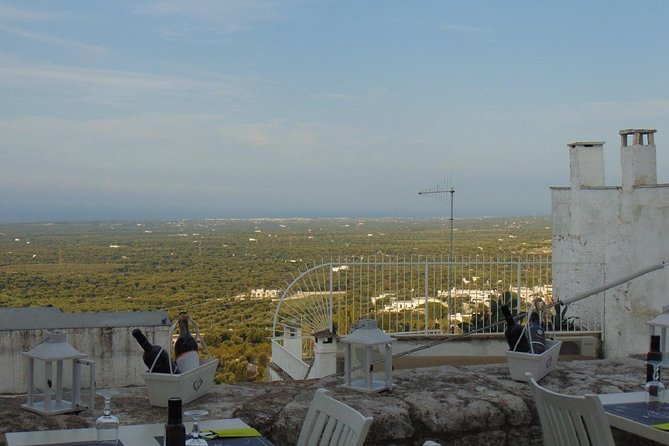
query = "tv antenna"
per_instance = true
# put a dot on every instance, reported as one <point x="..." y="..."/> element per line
<point x="440" y="191"/>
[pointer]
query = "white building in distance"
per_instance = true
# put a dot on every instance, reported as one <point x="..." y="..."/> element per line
<point x="261" y="293"/>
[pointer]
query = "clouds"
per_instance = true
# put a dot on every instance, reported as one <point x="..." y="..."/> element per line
<point x="51" y="41"/>
<point x="76" y="89"/>
<point x="462" y="29"/>
<point x="171" y="150"/>
<point x="195" y="18"/>
<point x="9" y="13"/>
<point x="291" y="108"/>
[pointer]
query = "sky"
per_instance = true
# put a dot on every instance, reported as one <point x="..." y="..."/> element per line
<point x="171" y="109"/>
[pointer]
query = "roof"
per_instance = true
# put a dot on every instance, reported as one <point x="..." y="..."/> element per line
<point x="36" y="318"/>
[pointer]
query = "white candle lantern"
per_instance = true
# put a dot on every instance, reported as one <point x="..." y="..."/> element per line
<point x="661" y="322"/>
<point x="365" y="347"/>
<point x="55" y="349"/>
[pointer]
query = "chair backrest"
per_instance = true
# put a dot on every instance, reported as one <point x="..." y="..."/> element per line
<point x="570" y="420"/>
<point x="332" y="423"/>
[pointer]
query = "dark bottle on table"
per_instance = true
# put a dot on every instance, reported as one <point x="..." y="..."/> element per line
<point x="151" y="351"/>
<point x="514" y="333"/>
<point x="654" y="355"/>
<point x="175" y="431"/>
<point x="537" y="335"/>
<point x="185" y="347"/>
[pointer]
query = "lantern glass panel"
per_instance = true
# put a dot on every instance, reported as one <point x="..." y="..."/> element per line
<point x="380" y="364"/>
<point x="359" y="366"/>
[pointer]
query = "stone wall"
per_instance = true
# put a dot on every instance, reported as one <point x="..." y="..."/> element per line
<point x="117" y="356"/>
<point x="105" y="337"/>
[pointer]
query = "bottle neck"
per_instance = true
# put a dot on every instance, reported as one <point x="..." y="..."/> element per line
<point x="507" y="315"/>
<point x="183" y="327"/>
<point x="654" y="343"/>
<point x="174" y="411"/>
<point x="141" y="340"/>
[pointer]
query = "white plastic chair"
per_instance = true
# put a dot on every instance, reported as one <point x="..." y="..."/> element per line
<point x="570" y="420"/>
<point x="332" y="423"/>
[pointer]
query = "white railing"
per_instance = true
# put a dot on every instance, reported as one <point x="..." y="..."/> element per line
<point x="425" y="295"/>
<point x="419" y="296"/>
<point x="289" y="363"/>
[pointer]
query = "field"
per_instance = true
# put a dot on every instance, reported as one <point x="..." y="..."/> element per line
<point x="209" y="267"/>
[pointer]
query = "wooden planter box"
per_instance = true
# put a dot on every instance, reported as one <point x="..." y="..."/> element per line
<point x="538" y="365"/>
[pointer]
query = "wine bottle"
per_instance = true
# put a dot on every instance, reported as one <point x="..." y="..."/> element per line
<point x="185" y="347"/>
<point x="537" y="335"/>
<point x="514" y="332"/>
<point x="654" y="355"/>
<point x="175" y="431"/>
<point x="151" y="351"/>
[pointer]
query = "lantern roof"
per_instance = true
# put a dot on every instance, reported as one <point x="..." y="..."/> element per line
<point x="324" y="334"/>
<point x="54" y="348"/>
<point x="367" y="333"/>
<point x="661" y="320"/>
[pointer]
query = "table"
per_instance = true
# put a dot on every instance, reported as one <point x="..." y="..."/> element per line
<point x="133" y="435"/>
<point x="626" y="424"/>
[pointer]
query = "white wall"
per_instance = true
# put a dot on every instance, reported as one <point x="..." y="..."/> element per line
<point x="602" y="234"/>
<point x="475" y="345"/>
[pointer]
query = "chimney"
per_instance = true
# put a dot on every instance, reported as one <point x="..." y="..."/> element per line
<point x="586" y="164"/>
<point x="638" y="161"/>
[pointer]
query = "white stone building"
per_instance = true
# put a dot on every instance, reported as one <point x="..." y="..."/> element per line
<point x="261" y="293"/>
<point x="604" y="233"/>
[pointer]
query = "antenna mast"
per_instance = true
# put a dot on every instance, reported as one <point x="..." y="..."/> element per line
<point x="441" y="190"/>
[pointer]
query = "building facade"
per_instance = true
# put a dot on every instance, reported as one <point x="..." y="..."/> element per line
<point x="604" y="233"/>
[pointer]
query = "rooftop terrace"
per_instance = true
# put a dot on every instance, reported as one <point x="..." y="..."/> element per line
<point x="464" y="405"/>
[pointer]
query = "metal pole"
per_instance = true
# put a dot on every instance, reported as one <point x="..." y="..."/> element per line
<point x="331" y="296"/>
<point x="518" y="285"/>
<point x="427" y="310"/>
<point x="452" y="192"/>
<point x="450" y="267"/>
<point x="606" y="286"/>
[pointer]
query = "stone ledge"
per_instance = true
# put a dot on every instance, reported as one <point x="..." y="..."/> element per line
<point x="467" y="405"/>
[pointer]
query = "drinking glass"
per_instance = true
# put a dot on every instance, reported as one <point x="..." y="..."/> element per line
<point x="106" y="426"/>
<point x="196" y="415"/>
<point x="655" y="388"/>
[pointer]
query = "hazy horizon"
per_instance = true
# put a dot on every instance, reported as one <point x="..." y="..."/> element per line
<point x="272" y="218"/>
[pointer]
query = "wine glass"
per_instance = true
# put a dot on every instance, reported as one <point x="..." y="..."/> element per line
<point x="196" y="415"/>
<point x="106" y="426"/>
<point x="655" y="388"/>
